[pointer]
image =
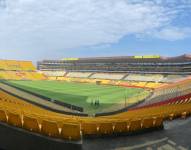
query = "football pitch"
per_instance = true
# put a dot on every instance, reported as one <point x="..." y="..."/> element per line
<point x="82" y="94"/>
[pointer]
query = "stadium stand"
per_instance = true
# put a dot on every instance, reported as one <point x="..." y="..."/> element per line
<point x="54" y="73"/>
<point x="19" y="70"/>
<point x="171" y="95"/>
<point x="139" y="71"/>
<point x="78" y="74"/>
<point x="21" y="75"/>
<point x="144" y="78"/>
<point x="173" y="78"/>
<point x="109" y="76"/>
<point x="16" y="65"/>
<point x="126" y="64"/>
<point x="169" y="91"/>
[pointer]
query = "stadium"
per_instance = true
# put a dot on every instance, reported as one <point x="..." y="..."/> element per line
<point x="96" y="103"/>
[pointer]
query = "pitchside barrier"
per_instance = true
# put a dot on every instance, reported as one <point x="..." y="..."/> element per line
<point x="69" y="106"/>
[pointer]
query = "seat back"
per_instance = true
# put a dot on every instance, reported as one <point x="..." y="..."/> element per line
<point x="31" y="124"/>
<point x="89" y="128"/>
<point x="14" y="119"/>
<point x="50" y="128"/>
<point x="3" y="117"/>
<point x="158" y="121"/>
<point x="105" y="128"/>
<point x="135" y="125"/>
<point x="120" y="127"/>
<point x="147" y="123"/>
<point x="71" y="131"/>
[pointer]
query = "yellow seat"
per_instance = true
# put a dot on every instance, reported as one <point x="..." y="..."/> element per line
<point x="50" y="128"/>
<point x="89" y="128"/>
<point x="135" y="125"/>
<point x="71" y="131"/>
<point x="120" y="127"/>
<point x="105" y="128"/>
<point x="31" y="124"/>
<point x="3" y="117"/>
<point x="184" y="114"/>
<point x="14" y="119"/>
<point x="148" y="123"/>
<point x="158" y="122"/>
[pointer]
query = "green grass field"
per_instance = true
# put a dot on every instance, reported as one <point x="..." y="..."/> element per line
<point x="81" y="94"/>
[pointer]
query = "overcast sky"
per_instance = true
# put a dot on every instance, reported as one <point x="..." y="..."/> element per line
<point x="53" y="29"/>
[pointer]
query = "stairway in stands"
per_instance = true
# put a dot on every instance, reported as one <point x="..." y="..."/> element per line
<point x="91" y="75"/>
<point x="124" y="76"/>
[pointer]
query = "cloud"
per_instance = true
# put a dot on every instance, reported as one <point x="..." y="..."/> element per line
<point x="57" y="24"/>
<point x="71" y="23"/>
<point x="173" y="33"/>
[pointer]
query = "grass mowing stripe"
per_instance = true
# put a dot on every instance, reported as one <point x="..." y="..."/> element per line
<point x="80" y="94"/>
<point x="97" y="92"/>
<point x="80" y="90"/>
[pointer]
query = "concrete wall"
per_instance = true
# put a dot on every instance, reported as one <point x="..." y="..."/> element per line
<point x="12" y="138"/>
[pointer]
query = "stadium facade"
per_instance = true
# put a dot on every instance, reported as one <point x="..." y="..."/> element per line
<point x="124" y="64"/>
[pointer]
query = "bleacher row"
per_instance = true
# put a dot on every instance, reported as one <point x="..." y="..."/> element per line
<point x="176" y="88"/>
<point x="17" y="112"/>
<point x="16" y="65"/>
<point x="22" y="75"/>
<point x="130" y="80"/>
<point x="169" y="91"/>
<point x="117" y="76"/>
<point x="174" y="107"/>
<point x="151" y="85"/>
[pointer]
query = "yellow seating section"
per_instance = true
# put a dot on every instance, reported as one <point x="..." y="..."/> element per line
<point x="19" y="70"/>
<point x="138" y="97"/>
<point x="151" y="85"/>
<point x="182" y="86"/>
<point x="16" y="65"/>
<point x="21" y="75"/>
<point x="27" y="65"/>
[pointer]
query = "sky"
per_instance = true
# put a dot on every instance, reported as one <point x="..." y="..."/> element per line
<point x="56" y="29"/>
